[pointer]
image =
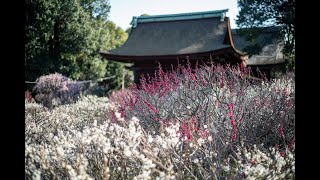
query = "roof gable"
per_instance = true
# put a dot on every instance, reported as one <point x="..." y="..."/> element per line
<point x="264" y="36"/>
<point x="268" y="42"/>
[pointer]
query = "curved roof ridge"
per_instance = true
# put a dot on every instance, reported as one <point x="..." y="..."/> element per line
<point x="180" y="16"/>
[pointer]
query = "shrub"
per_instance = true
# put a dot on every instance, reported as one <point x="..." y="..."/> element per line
<point x="79" y="141"/>
<point x="205" y="123"/>
<point x="233" y="106"/>
<point x="225" y="99"/>
<point x="55" y="89"/>
<point x="258" y="163"/>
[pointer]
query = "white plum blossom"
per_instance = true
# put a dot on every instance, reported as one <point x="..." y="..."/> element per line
<point x="82" y="141"/>
<point x="196" y="161"/>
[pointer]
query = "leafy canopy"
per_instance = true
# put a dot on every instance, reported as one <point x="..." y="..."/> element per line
<point x="65" y="36"/>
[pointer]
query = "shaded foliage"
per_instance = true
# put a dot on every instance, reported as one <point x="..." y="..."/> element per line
<point x="258" y="38"/>
<point x="260" y="13"/>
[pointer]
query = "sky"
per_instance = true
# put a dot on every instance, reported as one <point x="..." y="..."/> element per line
<point x="122" y="11"/>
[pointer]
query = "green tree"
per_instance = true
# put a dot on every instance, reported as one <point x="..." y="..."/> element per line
<point x="66" y="36"/>
<point x="260" y="13"/>
<point x="117" y="37"/>
<point x="117" y="34"/>
<point x="63" y="36"/>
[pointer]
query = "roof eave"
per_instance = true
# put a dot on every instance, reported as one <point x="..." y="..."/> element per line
<point x="132" y="58"/>
<point x="230" y="36"/>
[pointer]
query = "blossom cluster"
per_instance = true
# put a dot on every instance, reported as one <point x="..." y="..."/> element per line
<point x="55" y="89"/>
<point x="78" y="141"/>
<point x="82" y="141"/>
<point x="258" y="162"/>
<point x="225" y="105"/>
<point x="233" y="105"/>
